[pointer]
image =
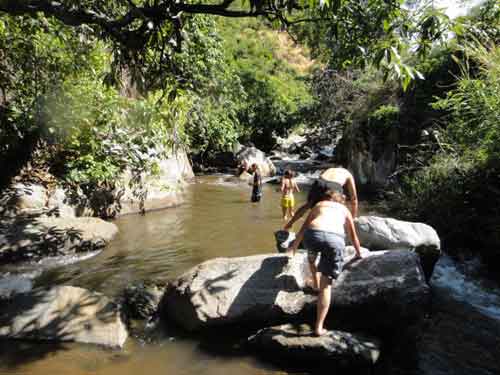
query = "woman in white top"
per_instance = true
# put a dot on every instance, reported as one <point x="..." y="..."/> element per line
<point x="324" y="233"/>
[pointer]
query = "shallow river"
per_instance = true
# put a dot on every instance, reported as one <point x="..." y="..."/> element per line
<point x="216" y="220"/>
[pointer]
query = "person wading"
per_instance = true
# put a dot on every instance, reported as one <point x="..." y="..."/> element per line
<point x="335" y="179"/>
<point x="257" y="183"/>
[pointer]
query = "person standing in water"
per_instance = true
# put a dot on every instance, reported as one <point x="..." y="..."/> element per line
<point x="257" y="183"/>
<point x="336" y="179"/>
<point x="288" y="187"/>
<point x="323" y="233"/>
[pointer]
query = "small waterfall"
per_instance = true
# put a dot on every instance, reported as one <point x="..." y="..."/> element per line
<point x="465" y="286"/>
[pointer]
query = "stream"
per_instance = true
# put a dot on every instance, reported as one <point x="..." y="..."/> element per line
<point x="217" y="220"/>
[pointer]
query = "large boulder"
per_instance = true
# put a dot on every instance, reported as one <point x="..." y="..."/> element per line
<point x="458" y="339"/>
<point x="63" y="313"/>
<point x="162" y="190"/>
<point x="383" y="233"/>
<point x="382" y="292"/>
<point x="258" y="288"/>
<point x="31" y="238"/>
<point x="251" y="155"/>
<point x="297" y="344"/>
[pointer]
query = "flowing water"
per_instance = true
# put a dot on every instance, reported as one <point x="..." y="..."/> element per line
<point x="216" y="220"/>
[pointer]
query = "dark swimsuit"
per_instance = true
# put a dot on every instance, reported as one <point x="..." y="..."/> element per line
<point x="319" y="188"/>
<point x="257" y="188"/>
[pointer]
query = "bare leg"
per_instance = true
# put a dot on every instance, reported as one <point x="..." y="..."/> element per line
<point x="289" y="212"/>
<point x="314" y="273"/>
<point x="324" y="297"/>
<point x="284" y="211"/>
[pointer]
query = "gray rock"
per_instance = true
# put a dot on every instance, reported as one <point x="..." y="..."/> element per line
<point x="381" y="293"/>
<point x="253" y="289"/>
<point x="385" y="291"/>
<point x="60" y="202"/>
<point x="458" y="339"/>
<point x="296" y="344"/>
<point x="63" y="313"/>
<point x="27" y="238"/>
<point x="250" y="155"/>
<point x="141" y="300"/>
<point x="23" y="198"/>
<point x="382" y="233"/>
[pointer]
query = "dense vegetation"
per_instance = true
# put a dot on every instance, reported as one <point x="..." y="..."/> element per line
<point x="90" y="89"/>
<point x="444" y="129"/>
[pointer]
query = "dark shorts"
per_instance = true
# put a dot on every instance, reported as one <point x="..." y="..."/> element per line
<point x="319" y="188"/>
<point x="329" y="246"/>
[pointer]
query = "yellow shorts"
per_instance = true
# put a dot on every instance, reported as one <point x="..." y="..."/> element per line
<point x="288" y="202"/>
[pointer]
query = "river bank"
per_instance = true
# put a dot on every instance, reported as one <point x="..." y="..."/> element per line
<point x="162" y="245"/>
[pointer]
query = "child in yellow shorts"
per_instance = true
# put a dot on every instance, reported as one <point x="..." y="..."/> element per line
<point x="288" y="187"/>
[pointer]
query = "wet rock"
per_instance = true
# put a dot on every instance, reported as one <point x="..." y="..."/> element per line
<point x="32" y="238"/>
<point x="382" y="233"/>
<point x="141" y="300"/>
<point x="63" y="313"/>
<point x="251" y="155"/>
<point x="458" y="339"/>
<point x="382" y="292"/>
<point x="296" y="344"/>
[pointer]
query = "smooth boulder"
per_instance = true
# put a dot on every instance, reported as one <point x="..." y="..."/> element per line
<point x="254" y="289"/>
<point x="251" y="155"/>
<point x="32" y="238"/>
<point x="63" y="313"/>
<point x="383" y="233"/>
<point x="383" y="292"/>
<point x="297" y="344"/>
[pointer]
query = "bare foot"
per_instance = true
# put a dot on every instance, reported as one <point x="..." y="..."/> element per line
<point x="319" y="332"/>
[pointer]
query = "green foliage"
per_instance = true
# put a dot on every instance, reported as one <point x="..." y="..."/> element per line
<point x="101" y="134"/>
<point x="213" y="86"/>
<point x="384" y="118"/>
<point x="276" y="93"/>
<point x="474" y="105"/>
<point x="36" y="55"/>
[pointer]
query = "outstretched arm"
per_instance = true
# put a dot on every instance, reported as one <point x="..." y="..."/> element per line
<point x="300" y="212"/>
<point x="351" y="187"/>
<point x="300" y="235"/>
<point x="351" y="230"/>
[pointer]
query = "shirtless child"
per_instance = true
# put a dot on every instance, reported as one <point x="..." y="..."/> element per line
<point x="288" y="187"/>
<point x="323" y="233"/>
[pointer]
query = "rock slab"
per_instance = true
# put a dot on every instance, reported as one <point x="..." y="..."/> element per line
<point x="31" y="238"/>
<point x="383" y="292"/>
<point x="63" y="313"/>
<point x="383" y="233"/>
<point x="258" y="288"/>
<point x="335" y="349"/>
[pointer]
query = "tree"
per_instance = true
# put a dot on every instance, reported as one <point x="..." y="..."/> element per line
<point x="145" y="32"/>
